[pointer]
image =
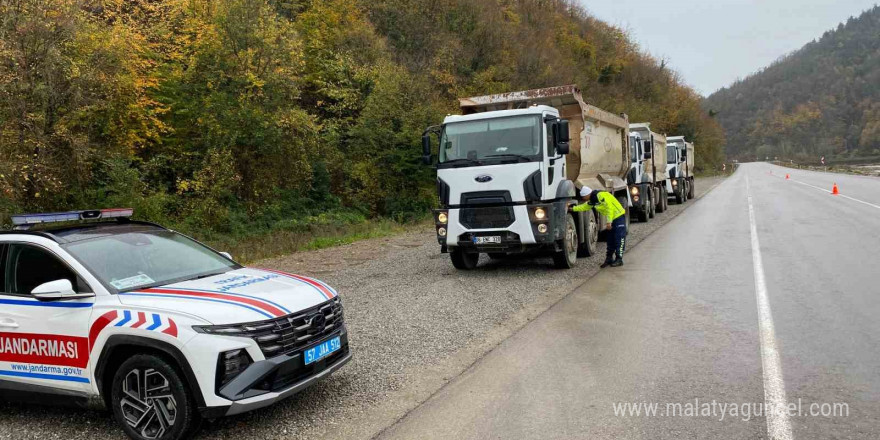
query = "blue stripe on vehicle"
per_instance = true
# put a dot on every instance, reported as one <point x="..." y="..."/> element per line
<point x="23" y="302"/>
<point x="201" y="299"/>
<point x="44" y="376"/>
<point x="157" y="322"/>
<point x="241" y="295"/>
<point x="126" y="318"/>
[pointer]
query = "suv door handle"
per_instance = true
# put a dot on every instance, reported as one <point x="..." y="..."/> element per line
<point x="8" y="323"/>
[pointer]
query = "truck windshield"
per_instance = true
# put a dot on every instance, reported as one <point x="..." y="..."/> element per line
<point x="671" y="153"/>
<point x="151" y="258"/>
<point x="493" y="140"/>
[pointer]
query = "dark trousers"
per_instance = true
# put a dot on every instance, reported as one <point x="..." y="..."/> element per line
<point x="616" y="239"/>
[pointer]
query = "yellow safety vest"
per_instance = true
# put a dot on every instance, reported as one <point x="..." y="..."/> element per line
<point x="608" y="206"/>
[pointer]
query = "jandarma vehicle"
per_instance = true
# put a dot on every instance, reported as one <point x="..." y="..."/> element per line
<point x="153" y="325"/>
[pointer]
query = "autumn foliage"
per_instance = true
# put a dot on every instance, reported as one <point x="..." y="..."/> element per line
<point x="239" y="115"/>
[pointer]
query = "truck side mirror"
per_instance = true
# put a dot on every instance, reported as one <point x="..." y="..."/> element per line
<point x="649" y="147"/>
<point x="684" y="153"/>
<point x="562" y="137"/>
<point x="426" y="149"/>
<point x="647" y="154"/>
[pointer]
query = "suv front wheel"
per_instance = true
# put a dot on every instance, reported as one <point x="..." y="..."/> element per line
<point x="151" y="401"/>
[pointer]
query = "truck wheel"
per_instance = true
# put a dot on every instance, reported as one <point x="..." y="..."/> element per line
<point x="665" y="200"/>
<point x="588" y="247"/>
<point x="678" y="192"/>
<point x="462" y="260"/>
<point x="652" y="207"/>
<point x="691" y="191"/>
<point x="151" y="401"/>
<point x="567" y="257"/>
<point x="642" y="214"/>
<point x="661" y="204"/>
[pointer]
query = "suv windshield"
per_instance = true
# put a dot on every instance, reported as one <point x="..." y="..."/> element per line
<point x="671" y="156"/>
<point x="151" y="258"/>
<point x="492" y="140"/>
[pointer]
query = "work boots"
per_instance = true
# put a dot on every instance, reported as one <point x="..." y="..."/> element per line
<point x="617" y="263"/>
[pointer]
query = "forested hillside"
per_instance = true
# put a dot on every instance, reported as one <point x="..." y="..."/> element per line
<point x="244" y="116"/>
<point x="823" y="99"/>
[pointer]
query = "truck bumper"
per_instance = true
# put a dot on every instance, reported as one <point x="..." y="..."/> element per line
<point x="524" y="233"/>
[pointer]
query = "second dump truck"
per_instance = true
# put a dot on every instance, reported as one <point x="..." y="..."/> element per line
<point x="646" y="180"/>
<point x="680" y="167"/>
<point x="510" y="166"/>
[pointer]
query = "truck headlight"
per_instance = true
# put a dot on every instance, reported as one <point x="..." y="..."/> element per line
<point x="442" y="218"/>
<point x="441" y="231"/>
<point x="540" y="213"/>
<point x="542" y="228"/>
<point x="675" y="183"/>
<point x="634" y="190"/>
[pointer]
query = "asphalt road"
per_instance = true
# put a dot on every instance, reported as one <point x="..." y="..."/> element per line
<point x="712" y="307"/>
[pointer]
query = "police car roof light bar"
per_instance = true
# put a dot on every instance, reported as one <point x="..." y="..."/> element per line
<point x="25" y="221"/>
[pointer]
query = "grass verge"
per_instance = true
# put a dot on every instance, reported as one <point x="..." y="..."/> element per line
<point x="319" y="236"/>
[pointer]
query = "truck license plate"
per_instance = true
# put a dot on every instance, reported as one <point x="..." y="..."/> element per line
<point x="322" y="350"/>
<point x="494" y="239"/>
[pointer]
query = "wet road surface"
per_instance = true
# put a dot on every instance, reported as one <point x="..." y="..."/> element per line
<point x="714" y="315"/>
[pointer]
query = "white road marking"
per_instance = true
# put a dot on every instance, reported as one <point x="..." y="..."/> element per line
<point x="775" y="403"/>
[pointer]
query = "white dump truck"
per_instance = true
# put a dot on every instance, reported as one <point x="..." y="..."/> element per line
<point x="680" y="167"/>
<point x="511" y="165"/>
<point x="646" y="180"/>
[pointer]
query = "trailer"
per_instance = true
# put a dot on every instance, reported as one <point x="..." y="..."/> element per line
<point x="510" y="166"/>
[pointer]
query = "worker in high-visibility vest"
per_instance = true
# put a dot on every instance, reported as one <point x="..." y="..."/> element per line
<point x="615" y="222"/>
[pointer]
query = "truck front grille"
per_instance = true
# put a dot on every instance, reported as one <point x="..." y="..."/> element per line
<point x="299" y="330"/>
<point x="493" y="215"/>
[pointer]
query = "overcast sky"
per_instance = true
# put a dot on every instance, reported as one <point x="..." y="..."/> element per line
<point x="714" y="42"/>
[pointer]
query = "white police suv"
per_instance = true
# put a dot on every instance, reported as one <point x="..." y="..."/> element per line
<point x="154" y="325"/>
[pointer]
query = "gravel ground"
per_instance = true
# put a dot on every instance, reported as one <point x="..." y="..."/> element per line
<point x="415" y="322"/>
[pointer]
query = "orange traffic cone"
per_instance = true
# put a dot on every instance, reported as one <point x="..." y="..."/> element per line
<point x="787" y="176"/>
<point x="834" y="190"/>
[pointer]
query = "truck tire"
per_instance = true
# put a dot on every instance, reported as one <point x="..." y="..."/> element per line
<point x="463" y="260"/>
<point x="567" y="257"/>
<point x="691" y="190"/>
<point x="588" y="247"/>
<point x="678" y="192"/>
<point x="645" y="212"/>
<point x="665" y="200"/>
<point x="151" y="400"/>
<point x="661" y="204"/>
<point x="652" y="207"/>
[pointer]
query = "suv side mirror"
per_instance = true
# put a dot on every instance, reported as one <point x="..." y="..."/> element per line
<point x="562" y="137"/>
<point x="426" y="149"/>
<point x="57" y="290"/>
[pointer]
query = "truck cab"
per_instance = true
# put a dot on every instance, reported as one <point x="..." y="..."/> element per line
<point x="508" y="169"/>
